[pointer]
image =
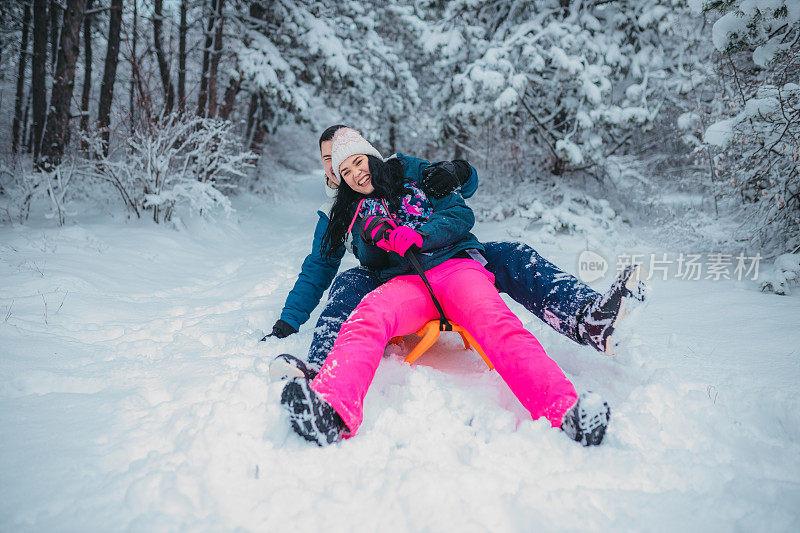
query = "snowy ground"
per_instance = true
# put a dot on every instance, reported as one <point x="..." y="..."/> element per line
<point x="133" y="396"/>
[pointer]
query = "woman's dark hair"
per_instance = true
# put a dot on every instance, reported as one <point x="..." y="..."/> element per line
<point x="328" y="134"/>
<point x="387" y="178"/>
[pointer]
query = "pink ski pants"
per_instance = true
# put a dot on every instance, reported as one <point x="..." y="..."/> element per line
<point x="401" y="306"/>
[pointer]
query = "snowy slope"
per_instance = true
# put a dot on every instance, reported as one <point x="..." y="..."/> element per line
<point x="133" y="396"/>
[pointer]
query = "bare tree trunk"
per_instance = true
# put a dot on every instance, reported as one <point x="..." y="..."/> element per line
<point x="252" y="110"/>
<point x="261" y="113"/>
<point x="110" y="71"/>
<point x="202" y="96"/>
<point x="461" y="139"/>
<point x="163" y="66"/>
<point x="56" y="135"/>
<point x="21" y="68"/>
<point x="3" y="14"/>
<point x="255" y="113"/>
<point x="182" y="29"/>
<point x="38" y="75"/>
<point x="214" y="66"/>
<point x="132" y="90"/>
<point x="257" y="138"/>
<point x="230" y="97"/>
<point x="87" y="71"/>
<point x="55" y="11"/>
<point x="140" y="98"/>
<point x="26" y="137"/>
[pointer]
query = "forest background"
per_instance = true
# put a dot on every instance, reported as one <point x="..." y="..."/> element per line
<point x="148" y="106"/>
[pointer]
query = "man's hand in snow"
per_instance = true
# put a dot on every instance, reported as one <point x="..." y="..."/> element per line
<point x="281" y="329"/>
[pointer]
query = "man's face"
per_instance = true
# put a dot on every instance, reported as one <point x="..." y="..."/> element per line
<point x="325" y="153"/>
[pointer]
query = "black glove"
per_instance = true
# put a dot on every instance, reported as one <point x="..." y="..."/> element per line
<point x="281" y="329"/>
<point x="376" y="229"/>
<point x="444" y="177"/>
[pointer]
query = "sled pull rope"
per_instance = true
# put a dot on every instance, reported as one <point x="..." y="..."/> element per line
<point x="444" y="324"/>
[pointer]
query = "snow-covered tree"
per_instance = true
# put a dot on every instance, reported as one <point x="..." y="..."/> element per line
<point x="294" y="56"/>
<point x="574" y="79"/>
<point x="758" y="132"/>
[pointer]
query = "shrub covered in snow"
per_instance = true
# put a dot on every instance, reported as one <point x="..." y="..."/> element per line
<point x="551" y="211"/>
<point x="571" y="213"/>
<point x="177" y="162"/>
<point x="187" y="163"/>
<point x="786" y="273"/>
<point x="52" y="190"/>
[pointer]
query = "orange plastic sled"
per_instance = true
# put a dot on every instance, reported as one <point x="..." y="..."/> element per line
<point x="430" y="333"/>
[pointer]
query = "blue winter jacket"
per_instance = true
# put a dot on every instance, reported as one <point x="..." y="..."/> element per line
<point x="317" y="272"/>
<point x="444" y="225"/>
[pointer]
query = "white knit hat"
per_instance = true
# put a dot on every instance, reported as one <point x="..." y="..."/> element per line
<point x="347" y="142"/>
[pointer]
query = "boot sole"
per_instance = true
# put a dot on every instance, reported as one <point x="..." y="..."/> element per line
<point x="631" y="305"/>
<point x="295" y="396"/>
<point x="589" y="425"/>
<point x="596" y="435"/>
<point x="306" y="414"/>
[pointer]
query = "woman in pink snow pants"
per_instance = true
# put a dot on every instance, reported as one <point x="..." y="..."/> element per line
<point x="391" y="216"/>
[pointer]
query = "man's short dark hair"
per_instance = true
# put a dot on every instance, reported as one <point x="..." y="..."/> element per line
<point x="328" y="134"/>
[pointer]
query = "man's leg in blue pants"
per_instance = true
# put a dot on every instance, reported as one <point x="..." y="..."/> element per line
<point x="541" y="287"/>
<point x="346" y="292"/>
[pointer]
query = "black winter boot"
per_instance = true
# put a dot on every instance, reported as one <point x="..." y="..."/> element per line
<point x="598" y="320"/>
<point x="287" y="366"/>
<point x="312" y="418"/>
<point x="588" y="419"/>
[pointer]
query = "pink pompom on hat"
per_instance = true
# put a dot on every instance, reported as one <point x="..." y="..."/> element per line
<point x="347" y="142"/>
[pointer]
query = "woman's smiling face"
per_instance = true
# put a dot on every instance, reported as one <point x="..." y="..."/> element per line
<point x="355" y="172"/>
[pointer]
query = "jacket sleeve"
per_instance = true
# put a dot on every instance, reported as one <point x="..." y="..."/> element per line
<point x="414" y="167"/>
<point x="315" y="277"/>
<point x="471" y="185"/>
<point x="450" y="222"/>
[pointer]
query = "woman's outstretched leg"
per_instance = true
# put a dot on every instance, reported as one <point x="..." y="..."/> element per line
<point x="470" y="299"/>
<point x="398" y="307"/>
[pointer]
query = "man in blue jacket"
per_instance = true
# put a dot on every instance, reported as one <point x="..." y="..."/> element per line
<point x="561" y="300"/>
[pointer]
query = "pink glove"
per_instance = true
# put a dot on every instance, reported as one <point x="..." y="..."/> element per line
<point x="400" y="239"/>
